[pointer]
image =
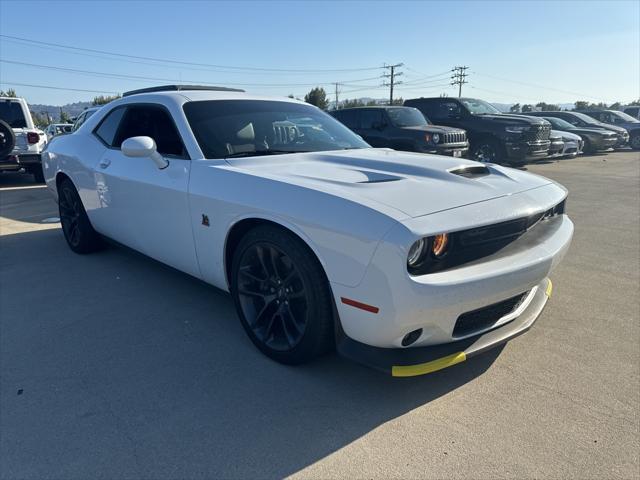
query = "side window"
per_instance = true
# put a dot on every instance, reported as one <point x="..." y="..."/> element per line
<point x="370" y="118"/>
<point x="154" y="122"/>
<point x="349" y="118"/>
<point x="108" y="127"/>
<point x="448" y="109"/>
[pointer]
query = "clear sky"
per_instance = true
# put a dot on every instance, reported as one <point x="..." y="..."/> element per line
<point x="516" y="51"/>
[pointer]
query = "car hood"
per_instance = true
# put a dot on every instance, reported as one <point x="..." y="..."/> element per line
<point x="400" y="184"/>
<point x="509" y="119"/>
<point x="434" y="129"/>
<point x="567" y="135"/>
<point x="586" y="131"/>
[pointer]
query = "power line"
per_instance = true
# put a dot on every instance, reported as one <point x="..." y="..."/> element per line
<point x="145" y="78"/>
<point x="459" y="78"/>
<point x="392" y="79"/>
<point x="537" y="86"/>
<point x="180" y="62"/>
<point x="3" y="82"/>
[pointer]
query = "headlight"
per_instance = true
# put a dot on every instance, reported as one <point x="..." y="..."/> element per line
<point x="440" y="245"/>
<point x="416" y="252"/>
<point x="435" y="137"/>
<point x="516" y="128"/>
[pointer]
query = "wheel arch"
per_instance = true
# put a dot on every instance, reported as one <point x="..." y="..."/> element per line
<point x="242" y="225"/>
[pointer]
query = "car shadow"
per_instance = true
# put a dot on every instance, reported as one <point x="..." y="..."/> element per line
<point x="112" y="362"/>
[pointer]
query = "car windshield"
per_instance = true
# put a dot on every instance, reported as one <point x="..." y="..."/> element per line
<point x="479" y="107"/>
<point x="559" y="124"/>
<point x="625" y="118"/>
<point x="406" y="117"/>
<point x="246" y="128"/>
<point x="586" y="118"/>
<point x="11" y="112"/>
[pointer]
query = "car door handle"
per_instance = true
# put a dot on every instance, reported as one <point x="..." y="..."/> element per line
<point x="104" y="163"/>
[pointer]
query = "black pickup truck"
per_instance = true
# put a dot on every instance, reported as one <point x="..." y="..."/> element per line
<point x="494" y="136"/>
<point x="403" y="128"/>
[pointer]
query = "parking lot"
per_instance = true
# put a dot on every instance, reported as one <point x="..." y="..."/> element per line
<point x="114" y="366"/>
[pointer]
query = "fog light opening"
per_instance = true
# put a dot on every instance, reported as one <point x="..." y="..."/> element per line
<point x="411" y="337"/>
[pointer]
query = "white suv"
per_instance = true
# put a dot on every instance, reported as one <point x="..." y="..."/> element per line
<point x="21" y="142"/>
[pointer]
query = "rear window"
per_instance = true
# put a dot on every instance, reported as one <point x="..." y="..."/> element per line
<point x="11" y="112"/>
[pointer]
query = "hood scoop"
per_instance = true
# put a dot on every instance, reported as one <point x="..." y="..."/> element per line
<point x="377" y="177"/>
<point x="471" y="171"/>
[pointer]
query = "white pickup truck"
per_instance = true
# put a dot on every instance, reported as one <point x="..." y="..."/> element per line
<point x="21" y="142"/>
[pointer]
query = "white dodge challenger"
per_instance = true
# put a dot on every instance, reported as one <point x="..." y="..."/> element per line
<point x="405" y="262"/>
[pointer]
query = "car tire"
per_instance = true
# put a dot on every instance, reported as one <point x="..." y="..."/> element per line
<point x="282" y="296"/>
<point x="77" y="229"/>
<point x="7" y="139"/>
<point x="38" y="174"/>
<point x="634" y="141"/>
<point x="487" y="150"/>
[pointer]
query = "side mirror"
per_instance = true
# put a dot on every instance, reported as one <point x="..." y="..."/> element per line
<point x="139" y="147"/>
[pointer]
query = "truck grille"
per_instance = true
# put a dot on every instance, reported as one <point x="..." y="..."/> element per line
<point x="486" y="317"/>
<point x="538" y="132"/>
<point x="458" y="137"/>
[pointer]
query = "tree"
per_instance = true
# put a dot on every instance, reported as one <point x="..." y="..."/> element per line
<point x="102" y="100"/>
<point x="398" y="101"/>
<point x="64" y="116"/>
<point x="40" y="121"/>
<point x="356" y="102"/>
<point x="318" y="97"/>
<point x="547" y="107"/>
<point x="515" y="108"/>
<point x="581" y="105"/>
<point x="615" y="106"/>
<point x="527" y="108"/>
<point x="9" y="93"/>
<point x="635" y="103"/>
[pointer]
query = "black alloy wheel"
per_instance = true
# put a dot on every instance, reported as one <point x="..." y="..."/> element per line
<point x="487" y="151"/>
<point x="282" y="296"/>
<point x="80" y="235"/>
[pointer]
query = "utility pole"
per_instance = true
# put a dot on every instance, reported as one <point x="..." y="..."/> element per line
<point x="336" y="84"/>
<point x="392" y="79"/>
<point x="459" y="78"/>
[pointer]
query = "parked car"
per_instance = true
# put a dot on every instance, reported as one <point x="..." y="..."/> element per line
<point x="403" y="128"/>
<point x="594" y="139"/>
<point x="620" y="119"/>
<point x="21" y="141"/>
<point x="322" y="241"/>
<point x="57" y="129"/>
<point x="556" y="145"/>
<point x="573" y="144"/>
<point x="493" y="136"/>
<point x="633" y="111"/>
<point x="83" y="117"/>
<point x="581" y="120"/>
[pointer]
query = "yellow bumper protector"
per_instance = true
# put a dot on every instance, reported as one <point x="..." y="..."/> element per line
<point x="428" y="367"/>
<point x="549" y="289"/>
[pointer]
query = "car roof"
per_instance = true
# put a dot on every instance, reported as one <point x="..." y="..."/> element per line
<point x="379" y="107"/>
<point x="187" y="93"/>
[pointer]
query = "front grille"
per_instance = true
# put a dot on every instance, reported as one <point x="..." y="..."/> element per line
<point x="486" y="317"/>
<point x="456" y="137"/>
<point x="538" y="132"/>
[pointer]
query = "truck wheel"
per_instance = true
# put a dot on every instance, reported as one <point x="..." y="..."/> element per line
<point x="282" y="296"/>
<point x="486" y="150"/>
<point x="77" y="229"/>
<point x="7" y="139"/>
<point x="634" y="141"/>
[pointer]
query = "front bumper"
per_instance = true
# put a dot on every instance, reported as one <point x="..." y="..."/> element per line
<point x="434" y="302"/>
<point x="623" y="141"/>
<point x="409" y="362"/>
<point x="450" y="149"/>
<point x="531" y="150"/>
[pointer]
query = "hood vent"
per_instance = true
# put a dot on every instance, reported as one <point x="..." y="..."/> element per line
<point x="471" y="172"/>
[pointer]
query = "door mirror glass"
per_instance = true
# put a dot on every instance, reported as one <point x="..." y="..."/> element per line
<point x="138" y="147"/>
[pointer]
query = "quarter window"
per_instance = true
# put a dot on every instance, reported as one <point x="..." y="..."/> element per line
<point x="109" y="126"/>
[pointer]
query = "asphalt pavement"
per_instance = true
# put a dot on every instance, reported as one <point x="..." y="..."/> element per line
<point x="115" y="366"/>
